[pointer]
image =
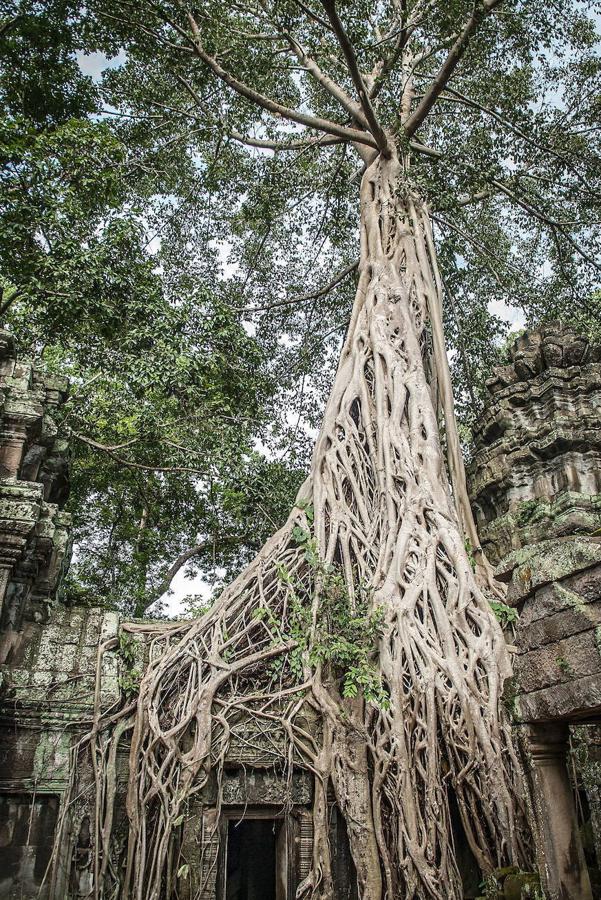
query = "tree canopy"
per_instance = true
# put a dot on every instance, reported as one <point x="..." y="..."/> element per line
<point x="180" y="235"/>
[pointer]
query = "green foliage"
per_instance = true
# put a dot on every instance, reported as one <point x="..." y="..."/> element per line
<point x="170" y="393"/>
<point x="168" y="268"/>
<point x="470" y="554"/>
<point x="506" y="615"/>
<point x="342" y="639"/>
<point x="130" y="676"/>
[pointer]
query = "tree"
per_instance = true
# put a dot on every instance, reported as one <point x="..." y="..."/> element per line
<point x="364" y="607"/>
<point x="169" y="393"/>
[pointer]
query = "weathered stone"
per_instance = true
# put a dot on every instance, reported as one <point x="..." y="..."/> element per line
<point x="562" y="661"/>
<point x="34" y="533"/>
<point x="574" y="592"/>
<point x="258" y="786"/>
<point x="550" y="561"/>
<point x="536" y="488"/>
<point x="521" y="885"/>
<point x="568" y="701"/>
<point x="537" y="469"/>
<point x="555" y="627"/>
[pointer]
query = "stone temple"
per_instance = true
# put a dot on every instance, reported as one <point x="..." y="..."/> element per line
<point x="535" y="484"/>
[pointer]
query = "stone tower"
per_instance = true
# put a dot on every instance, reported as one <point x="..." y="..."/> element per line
<point x="535" y="484"/>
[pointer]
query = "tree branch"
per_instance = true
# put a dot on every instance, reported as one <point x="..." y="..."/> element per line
<point x="458" y="97"/>
<point x="331" y="86"/>
<point x="263" y="143"/>
<point x="165" y="582"/>
<point x="448" y="67"/>
<point x="304" y="298"/>
<point x="244" y="90"/>
<point x="313" y="15"/>
<point x="353" y="67"/>
<point x="128" y="462"/>
<point x="546" y="220"/>
<point x="6" y="26"/>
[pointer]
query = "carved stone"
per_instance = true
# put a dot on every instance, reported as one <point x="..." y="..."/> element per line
<point x="535" y="484"/>
<point x="34" y="485"/>
<point x="536" y="473"/>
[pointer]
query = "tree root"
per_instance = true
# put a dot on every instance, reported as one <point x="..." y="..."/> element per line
<point x="377" y="509"/>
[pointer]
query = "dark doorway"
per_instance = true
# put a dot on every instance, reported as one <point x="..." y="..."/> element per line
<point x="27" y="825"/>
<point x="471" y="875"/>
<point x="252" y="859"/>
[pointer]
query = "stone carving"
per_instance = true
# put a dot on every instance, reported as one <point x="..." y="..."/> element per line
<point x="537" y="469"/>
<point x="34" y="485"/>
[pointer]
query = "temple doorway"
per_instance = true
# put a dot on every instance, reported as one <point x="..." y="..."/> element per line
<point x="256" y="859"/>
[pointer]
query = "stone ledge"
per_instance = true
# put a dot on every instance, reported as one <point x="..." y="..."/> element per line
<point x="560" y="662"/>
<point x="579" y="699"/>
<point x="532" y="567"/>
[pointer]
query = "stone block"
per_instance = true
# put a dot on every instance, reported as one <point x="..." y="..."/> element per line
<point x="549" y="629"/>
<point x="110" y="626"/>
<point x="574" y="657"/>
<point x="249" y="786"/>
<point x="570" y="700"/>
<point x="573" y="593"/>
<point x="549" y="561"/>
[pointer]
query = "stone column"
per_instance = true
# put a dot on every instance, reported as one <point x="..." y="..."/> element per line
<point x="561" y="857"/>
<point x="12" y="445"/>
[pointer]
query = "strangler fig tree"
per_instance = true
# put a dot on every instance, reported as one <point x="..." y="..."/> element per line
<point x="361" y="633"/>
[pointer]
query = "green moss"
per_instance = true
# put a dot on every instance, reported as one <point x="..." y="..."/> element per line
<point x="530" y="511"/>
<point x="564" y="665"/>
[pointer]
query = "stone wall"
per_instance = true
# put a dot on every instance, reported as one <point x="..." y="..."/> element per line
<point x="535" y="483"/>
<point x="45" y="705"/>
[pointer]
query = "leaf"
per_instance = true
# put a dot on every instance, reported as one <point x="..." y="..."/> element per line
<point x="183" y="871"/>
<point x="300" y="535"/>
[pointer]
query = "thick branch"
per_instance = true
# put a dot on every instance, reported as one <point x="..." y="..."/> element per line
<point x="332" y="87"/>
<point x="244" y="90"/>
<point x="263" y="143"/>
<point x="353" y="67"/>
<point x="165" y="583"/>
<point x="448" y="67"/>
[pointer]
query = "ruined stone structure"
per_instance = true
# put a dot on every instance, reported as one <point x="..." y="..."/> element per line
<point x="536" y="486"/>
<point x="34" y="532"/>
<point x="536" y="489"/>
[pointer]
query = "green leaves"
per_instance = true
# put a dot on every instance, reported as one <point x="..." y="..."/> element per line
<point x="300" y="535"/>
<point x="505" y="615"/>
<point x="343" y="639"/>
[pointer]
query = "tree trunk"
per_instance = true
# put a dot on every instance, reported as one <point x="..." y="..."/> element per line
<point x="384" y="512"/>
<point x="384" y="517"/>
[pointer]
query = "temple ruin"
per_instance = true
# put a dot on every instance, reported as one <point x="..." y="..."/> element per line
<point x="535" y="483"/>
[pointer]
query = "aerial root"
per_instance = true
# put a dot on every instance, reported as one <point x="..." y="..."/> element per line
<point x="378" y="516"/>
